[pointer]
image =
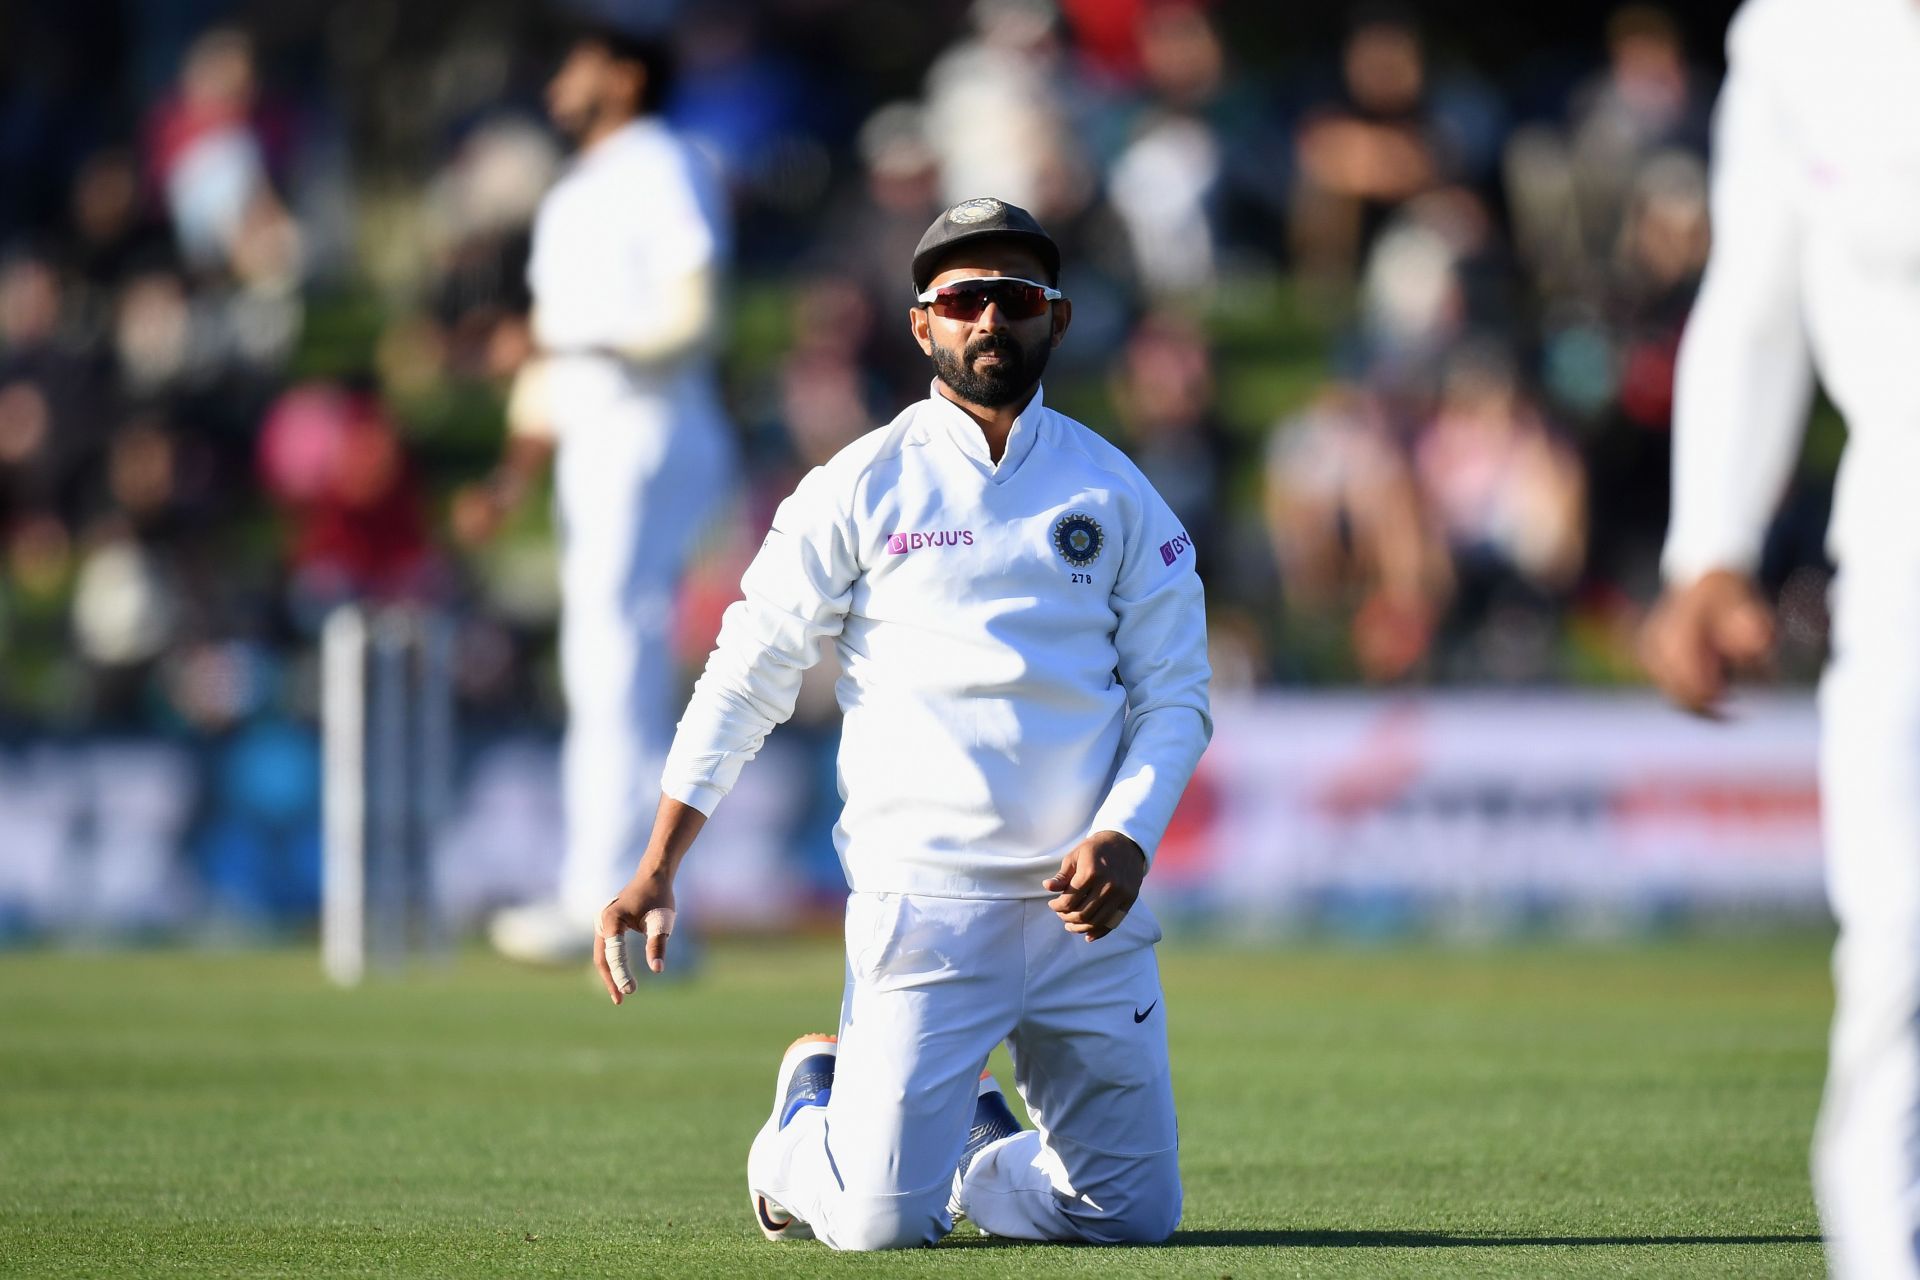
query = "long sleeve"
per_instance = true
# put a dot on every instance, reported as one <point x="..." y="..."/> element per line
<point x="1161" y="639"/>
<point x="795" y="592"/>
<point x="1744" y="377"/>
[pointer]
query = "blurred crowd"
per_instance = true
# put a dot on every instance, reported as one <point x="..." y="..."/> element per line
<point x="1392" y="332"/>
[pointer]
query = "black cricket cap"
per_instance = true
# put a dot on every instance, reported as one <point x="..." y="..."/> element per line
<point x="978" y="219"/>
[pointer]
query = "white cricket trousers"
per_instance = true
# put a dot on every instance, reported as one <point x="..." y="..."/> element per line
<point x="933" y="984"/>
<point x="637" y="481"/>
<point x="1867" y="1150"/>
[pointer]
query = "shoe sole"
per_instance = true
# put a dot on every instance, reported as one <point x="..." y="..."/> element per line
<point x="774" y="1222"/>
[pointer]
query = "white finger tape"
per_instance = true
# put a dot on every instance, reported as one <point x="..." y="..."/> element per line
<point x="616" y="949"/>
<point x="658" y="922"/>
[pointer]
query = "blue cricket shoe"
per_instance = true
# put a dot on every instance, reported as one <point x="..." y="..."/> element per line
<point x="805" y="1079"/>
<point x="992" y="1121"/>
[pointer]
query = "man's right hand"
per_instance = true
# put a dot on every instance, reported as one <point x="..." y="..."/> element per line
<point x="1700" y="633"/>
<point x="645" y="906"/>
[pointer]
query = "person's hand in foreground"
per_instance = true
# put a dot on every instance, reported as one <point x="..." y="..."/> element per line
<point x="1097" y="884"/>
<point x="645" y="906"/>
<point x="1701" y="634"/>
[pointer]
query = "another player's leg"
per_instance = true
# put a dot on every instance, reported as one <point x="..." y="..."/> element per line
<point x="1867" y="1151"/>
<point x="1090" y="1058"/>
<point x="930" y="991"/>
<point x="634" y="490"/>
<point x="667" y="474"/>
<point x="612" y="657"/>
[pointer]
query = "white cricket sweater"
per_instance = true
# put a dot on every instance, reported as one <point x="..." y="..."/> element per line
<point x="1024" y="651"/>
<point x="632" y="216"/>
<point x="1816" y="259"/>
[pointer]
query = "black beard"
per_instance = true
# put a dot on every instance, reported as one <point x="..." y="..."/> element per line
<point x="996" y="388"/>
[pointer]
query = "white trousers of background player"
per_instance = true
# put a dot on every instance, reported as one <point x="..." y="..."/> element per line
<point x="637" y="482"/>
<point x="1867" y="1152"/>
<point x="933" y="984"/>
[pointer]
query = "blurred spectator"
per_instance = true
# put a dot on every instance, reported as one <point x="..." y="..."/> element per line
<point x="114" y="233"/>
<point x="1349" y="534"/>
<point x="1569" y="189"/>
<point x="1661" y="254"/>
<point x="50" y="393"/>
<point x="1656" y="273"/>
<point x="1504" y="490"/>
<point x="1436" y="275"/>
<point x="124" y="610"/>
<point x="1164" y="185"/>
<point x="334" y="463"/>
<point x="207" y="157"/>
<point x="1392" y="130"/>
<point x="479" y="208"/>
<point x="1646" y="100"/>
<point x="1366" y="151"/>
<point x="1163" y="388"/>
<point x="1510" y="501"/>
<point x="999" y="113"/>
<point x="873" y="229"/>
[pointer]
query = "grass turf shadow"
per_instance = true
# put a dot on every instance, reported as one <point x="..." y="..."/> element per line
<point x="1445" y="1240"/>
<point x="1273" y="1239"/>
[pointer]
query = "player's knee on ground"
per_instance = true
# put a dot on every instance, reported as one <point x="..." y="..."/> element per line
<point x="1141" y="1205"/>
<point x="892" y="1222"/>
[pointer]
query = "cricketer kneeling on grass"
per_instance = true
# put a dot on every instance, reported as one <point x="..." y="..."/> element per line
<point x="1025" y="695"/>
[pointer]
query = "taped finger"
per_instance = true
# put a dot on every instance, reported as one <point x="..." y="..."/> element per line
<point x="615" y="949"/>
<point x="658" y="923"/>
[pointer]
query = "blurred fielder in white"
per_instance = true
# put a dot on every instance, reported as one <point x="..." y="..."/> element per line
<point x="1024" y="650"/>
<point x="628" y="253"/>
<point x="1816" y="262"/>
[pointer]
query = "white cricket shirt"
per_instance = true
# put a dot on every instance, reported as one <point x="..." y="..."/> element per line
<point x="635" y="214"/>
<point x="1816" y="251"/>
<point x="1024" y="651"/>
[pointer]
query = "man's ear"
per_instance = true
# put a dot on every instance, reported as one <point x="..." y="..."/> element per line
<point x="919" y="319"/>
<point x="1062" y="317"/>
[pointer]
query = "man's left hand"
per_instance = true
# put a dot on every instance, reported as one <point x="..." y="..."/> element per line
<point x="1098" y="883"/>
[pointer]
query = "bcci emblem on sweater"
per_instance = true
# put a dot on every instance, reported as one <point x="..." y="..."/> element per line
<point x="1078" y="539"/>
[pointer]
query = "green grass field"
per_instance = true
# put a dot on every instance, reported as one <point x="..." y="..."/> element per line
<point x="1412" y="1111"/>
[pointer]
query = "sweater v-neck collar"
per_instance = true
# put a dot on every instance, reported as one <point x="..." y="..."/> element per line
<point x="966" y="435"/>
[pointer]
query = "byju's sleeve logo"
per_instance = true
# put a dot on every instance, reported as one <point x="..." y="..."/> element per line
<point x="1078" y="538"/>
<point x="898" y="544"/>
<point x="1174" y="549"/>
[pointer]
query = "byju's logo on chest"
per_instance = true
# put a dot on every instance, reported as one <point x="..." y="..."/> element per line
<point x="898" y="544"/>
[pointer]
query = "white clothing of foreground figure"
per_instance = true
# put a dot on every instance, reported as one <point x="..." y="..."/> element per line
<point x="1816" y="262"/>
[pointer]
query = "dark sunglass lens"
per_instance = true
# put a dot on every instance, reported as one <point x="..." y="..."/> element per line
<point x="965" y="302"/>
<point x="1019" y="301"/>
<point x="958" y="303"/>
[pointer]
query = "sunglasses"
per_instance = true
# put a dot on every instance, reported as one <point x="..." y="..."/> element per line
<point x="964" y="300"/>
